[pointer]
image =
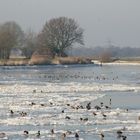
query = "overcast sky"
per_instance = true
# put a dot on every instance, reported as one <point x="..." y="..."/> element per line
<point x="117" y="21"/>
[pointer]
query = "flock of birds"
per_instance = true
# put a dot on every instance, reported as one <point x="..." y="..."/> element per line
<point x="52" y="132"/>
<point x="79" y="75"/>
<point x="88" y="107"/>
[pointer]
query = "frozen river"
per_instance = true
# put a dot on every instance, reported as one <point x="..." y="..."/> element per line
<point x="42" y="98"/>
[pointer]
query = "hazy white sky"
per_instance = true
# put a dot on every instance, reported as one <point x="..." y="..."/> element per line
<point x="102" y="20"/>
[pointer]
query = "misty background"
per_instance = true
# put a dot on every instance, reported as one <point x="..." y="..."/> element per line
<point x="105" y="23"/>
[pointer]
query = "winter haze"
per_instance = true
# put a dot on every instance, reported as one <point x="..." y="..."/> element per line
<point x="104" y="21"/>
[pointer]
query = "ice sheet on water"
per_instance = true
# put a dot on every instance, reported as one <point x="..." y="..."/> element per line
<point x="55" y="97"/>
<point x="66" y="87"/>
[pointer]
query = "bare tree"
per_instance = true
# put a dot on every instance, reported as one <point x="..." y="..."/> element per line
<point x="30" y="44"/>
<point x="11" y="36"/>
<point x="59" y="34"/>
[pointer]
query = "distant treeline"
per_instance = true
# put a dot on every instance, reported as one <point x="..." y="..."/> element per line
<point x="56" y="36"/>
<point x="56" y="39"/>
<point x="114" y="51"/>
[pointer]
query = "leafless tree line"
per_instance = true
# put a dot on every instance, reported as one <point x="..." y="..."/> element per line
<point x="57" y="35"/>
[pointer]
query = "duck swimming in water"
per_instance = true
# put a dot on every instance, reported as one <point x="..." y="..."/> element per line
<point x="119" y="132"/>
<point x="63" y="135"/>
<point x="110" y="101"/>
<point x="97" y="107"/>
<point x="67" y="117"/>
<point x="52" y="131"/>
<point x="26" y="133"/>
<point x="94" y="113"/>
<point x="88" y="106"/>
<point x="102" y="136"/>
<point x="101" y="104"/>
<point x="76" y="135"/>
<point x="38" y="134"/>
<point x="11" y="112"/>
<point x="123" y="137"/>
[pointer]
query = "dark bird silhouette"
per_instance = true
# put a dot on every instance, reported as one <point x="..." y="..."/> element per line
<point x="63" y="135"/>
<point x="85" y="119"/>
<point x="88" y="106"/>
<point x="81" y="107"/>
<point x="94" y="113"/>
<point x="123" y="137"/>
<point x="110" y="101"/>
<point x="26" y="133"/>
<point x="107" y="107"/>
<point x="76" y="135"/>
<point x="32" y="103"/>
<point x="104" y="115"/>
<point x="102" y="104"/>
<point x="97" y="107"/>
<point x="81" y="119"/>
<point x="23" y="114"/>
<point x="52" y="131"/>
<point x="67" y="117"/>
<point x="11" y="112"/>
<point x="51" y="103"/>
<point x="102" y="136"/>
<point x="38" y="134"/>
<point x="34" y="91"/>
<point x="42" y="104"/>
<point x="119" y="132"/>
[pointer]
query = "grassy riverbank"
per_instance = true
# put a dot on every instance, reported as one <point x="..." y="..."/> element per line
<point x="14" y="62"/>
<point x="56" y="60"/>
<point x="64" y="60"/>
